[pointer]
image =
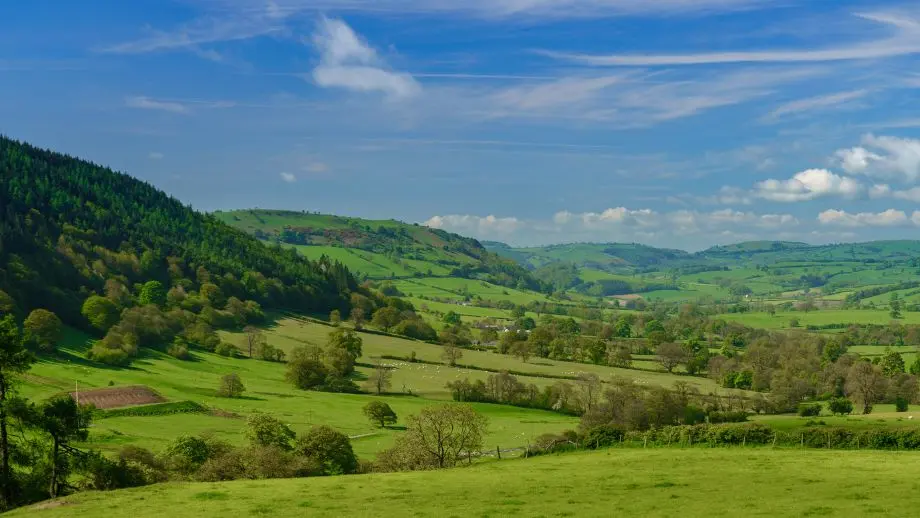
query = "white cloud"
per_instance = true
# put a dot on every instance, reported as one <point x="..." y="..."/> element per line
<point x="883" y="157"/>
<point x="635" y="99"/>
<point x="203" y="31"/>
<point x="155" y="155"/>
<point x="288" y="177"/>
<point x="820" y="102"/>
<point x="488" y="226"/>
<point x="885" y="191"/>
<point x="347" y="61"/>
<point x="905" y="41"/>
<point x="840" y="218"/>
<point x="808" y="185"/>
<point x="146" y="103"/>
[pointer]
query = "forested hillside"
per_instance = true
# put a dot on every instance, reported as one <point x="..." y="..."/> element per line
<point x="382" y="249"/>
<point x="68" y="226"/>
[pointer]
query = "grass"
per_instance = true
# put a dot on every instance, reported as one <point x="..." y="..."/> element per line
<point x="820" y="317"/>
<point x="616" y="482"/>
<point x="288" y="333"/>
<point x="267" y="391"/>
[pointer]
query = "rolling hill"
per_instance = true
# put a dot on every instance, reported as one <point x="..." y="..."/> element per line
<point x="68" y="226"/>
<point x="381" y="249"/>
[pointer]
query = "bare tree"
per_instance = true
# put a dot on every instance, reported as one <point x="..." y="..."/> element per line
<point x="253" y="339"/>
<point x="589" y="390"/>
<point x="381" y="379"/>
<point x="866" y="384"/>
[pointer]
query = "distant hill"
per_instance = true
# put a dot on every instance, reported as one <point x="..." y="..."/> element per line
<point x="601" y="256"/>
<point x="68" y="226"/>
<point x="624" y="257"/>
<point x="761" y="267"/>
<point x="381" y="249"/>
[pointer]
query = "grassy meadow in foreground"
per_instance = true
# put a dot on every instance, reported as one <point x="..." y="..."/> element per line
<point x="639" y="482"/>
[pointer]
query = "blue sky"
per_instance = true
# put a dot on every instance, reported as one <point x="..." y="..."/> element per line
<point x="679" y="123"/>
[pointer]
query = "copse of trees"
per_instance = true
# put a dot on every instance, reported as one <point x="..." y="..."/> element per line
<point x="326" y="368"/>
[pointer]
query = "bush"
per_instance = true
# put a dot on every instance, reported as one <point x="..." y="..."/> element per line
<point x="226" y="349"/>
<point x="330" y="448"/>
<point x="603" y="436"/>
<point x="554" y="443"/>
<point x="102" y="354"/>
<point x="840" y="406"/>
<point x="179" y="350"/>
<point x="901" y="404"/>
<point x="810" y="410"/>
<point x="102" y="474"/>
<point x="231" y="386"/>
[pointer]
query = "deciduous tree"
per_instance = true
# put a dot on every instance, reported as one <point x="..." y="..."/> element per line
<point x="380" y="413"/>
<point x="43" y="329"/>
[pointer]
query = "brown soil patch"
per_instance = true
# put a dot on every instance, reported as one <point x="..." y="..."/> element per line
<point x="116" y="397"/>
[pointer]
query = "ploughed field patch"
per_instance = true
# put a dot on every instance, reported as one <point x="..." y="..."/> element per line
<point x="118" y="397"/>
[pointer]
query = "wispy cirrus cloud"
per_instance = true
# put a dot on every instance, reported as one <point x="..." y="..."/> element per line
<point x="837" y="100"/>
<point x="905" y="40"/>
<point x="146" y="103"/>
<point x="498" y="9"/>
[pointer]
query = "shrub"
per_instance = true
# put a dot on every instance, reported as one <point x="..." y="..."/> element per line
<point x="179" y="350"/>
<point x="102" y="474"/>
<point x="901" y="404"/>
<point x="231" y="386"/>
<point x="226" y="349"/>
<point x="265" y="430"/>
<point x="603" y="436"/>
<point x="810" y="410"/>
<point x="330" y="448"/>
<point x="100" y="353"/>
<point x="840" y="406"/>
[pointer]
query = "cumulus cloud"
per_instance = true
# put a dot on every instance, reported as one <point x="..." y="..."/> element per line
<point x="288" y="177"/>
<point x="888" y="218"/>
<point x="883" y="157"/>
<point x="348" y="62"/>
<point x="488" y="226"/>
<point x="808" y="185"/>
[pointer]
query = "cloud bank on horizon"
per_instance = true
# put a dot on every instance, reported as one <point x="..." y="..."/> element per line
<point x="679" y="123"/>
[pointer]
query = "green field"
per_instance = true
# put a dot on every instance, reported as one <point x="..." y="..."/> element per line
<point x="781" y="320"/>
<point x="267" y="391"/>
<point x="617" y="482"/>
